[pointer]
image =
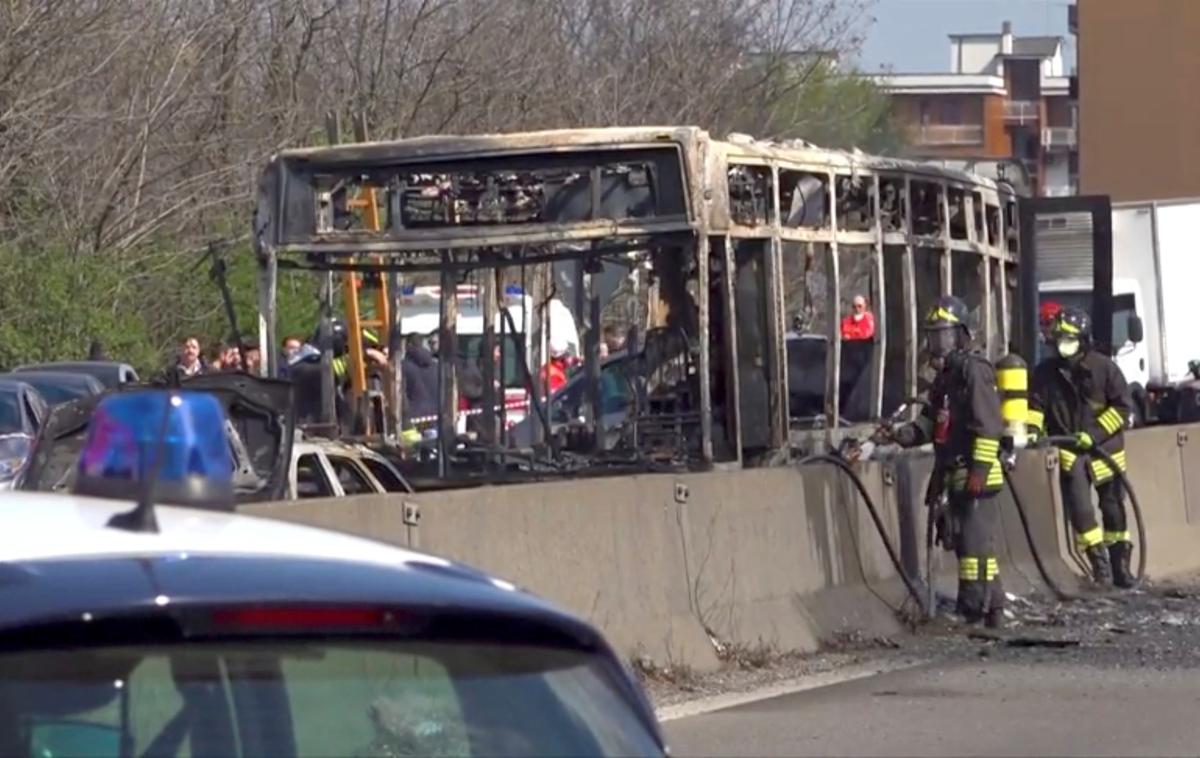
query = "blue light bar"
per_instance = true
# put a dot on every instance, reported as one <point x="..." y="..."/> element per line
<point x="127" y="437"/>
<point x="513" y="290"/>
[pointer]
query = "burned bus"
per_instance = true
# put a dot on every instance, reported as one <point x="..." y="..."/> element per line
<point x="737" y="264"/>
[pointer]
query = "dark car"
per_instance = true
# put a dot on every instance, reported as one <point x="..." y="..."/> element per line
<point x="22" y="413"/>
<point x="261" y="429"/>
<point x="22" y="409"/>
<point x="111" y="373"/>
<point x="57" y="387"/>
<point x="223" y="634"/>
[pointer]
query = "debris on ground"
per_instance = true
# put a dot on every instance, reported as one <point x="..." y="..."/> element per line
<point x="1152" y="625"/>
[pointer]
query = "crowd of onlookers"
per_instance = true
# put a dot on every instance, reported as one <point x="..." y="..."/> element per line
<point x="299" y="359"/>
<point x="221" y="358"/>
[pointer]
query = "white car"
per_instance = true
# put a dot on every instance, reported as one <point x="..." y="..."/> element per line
<point x="216" y="633"/>
<point x="326" y="468"/>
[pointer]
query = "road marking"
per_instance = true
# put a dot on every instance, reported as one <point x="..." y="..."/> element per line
<point x="705" y="705"/>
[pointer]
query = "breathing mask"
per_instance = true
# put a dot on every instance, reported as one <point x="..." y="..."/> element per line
<point x="941" y="342"/>
<point x="1068" y="347"/>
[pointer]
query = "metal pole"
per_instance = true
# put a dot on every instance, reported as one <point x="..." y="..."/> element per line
<point x="396" y="348"/>
<point x="591" y="365"/>
<point x="487" y="362"/>
<point x="267" y="293"/>
<point x="503" y="428"/>
<point x="447" y="394"/>
<point x="325" y="343"/>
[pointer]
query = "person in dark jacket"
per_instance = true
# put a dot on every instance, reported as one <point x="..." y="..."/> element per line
<point x="420" y="371"/>
<point x="1080" y="392"/>
<point x="962" y="419"/>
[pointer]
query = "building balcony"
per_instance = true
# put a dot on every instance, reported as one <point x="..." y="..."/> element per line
<point x="1060" y="138"/>
<point x="1069" y="189"/>
<point x="945" y="135"/>
<point x="1022" y="111"/>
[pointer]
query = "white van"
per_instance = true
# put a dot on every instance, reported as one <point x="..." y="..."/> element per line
<point x="420" y="314"/>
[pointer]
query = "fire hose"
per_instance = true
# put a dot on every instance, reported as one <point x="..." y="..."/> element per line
<point x="1070" y="443"/>
<point x="841" y="464"/>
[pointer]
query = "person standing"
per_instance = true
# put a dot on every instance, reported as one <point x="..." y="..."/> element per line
<point x="859" y="325"/>
<point x="190" y="363"/>
<point x="962" y="419"/>
<point x="1080" y="392"/>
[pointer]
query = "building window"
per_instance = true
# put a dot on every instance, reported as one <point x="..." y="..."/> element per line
<point x="951" y="112"/>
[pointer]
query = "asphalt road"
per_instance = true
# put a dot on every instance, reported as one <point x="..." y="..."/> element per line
<point x="1128" y="683"/>
<point x="964" y="709"/>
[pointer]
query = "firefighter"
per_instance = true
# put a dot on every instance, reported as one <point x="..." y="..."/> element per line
<point x="1047" y="314"/>
<point x="1079" y="392"/>
<point x="962" y="419"/>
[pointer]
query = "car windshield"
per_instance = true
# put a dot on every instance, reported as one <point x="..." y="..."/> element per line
<point x="56" y="392"/>
<point x="284" y="698"/>
<point x="10" y="413"/>
<point x="384" y="474"/>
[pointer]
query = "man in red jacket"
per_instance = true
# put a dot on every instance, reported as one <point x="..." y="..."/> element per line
<point x="860" y="324"/>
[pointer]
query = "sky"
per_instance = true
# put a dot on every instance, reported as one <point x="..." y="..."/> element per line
<point x="910" y="36"/>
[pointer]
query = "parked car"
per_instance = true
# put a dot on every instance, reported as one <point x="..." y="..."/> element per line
<point x="22" y="413"/>
<point x="327" y="468"/>
<point x="111" y="373"/>
<point x="57" y="387"/>
<point x="224" y="634"/>
<point x="22" y="408"/>
<point x="261" y="429"/>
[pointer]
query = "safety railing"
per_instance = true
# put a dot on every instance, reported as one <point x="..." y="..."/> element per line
<point x="1059" y="137"/>
<point x="949" y="134"/>
<point x="1022" y="111"/>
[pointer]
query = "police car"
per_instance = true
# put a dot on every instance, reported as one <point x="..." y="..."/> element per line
<point x="130" y="627"/>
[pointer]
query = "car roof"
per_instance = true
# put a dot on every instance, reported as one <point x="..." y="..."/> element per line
<point x="72" y="365"/>
<point x="307" y="445"/>
<point x="65" y="377"/>
<point x="110" y="373"/>
<point x="13" y="385"/>
<point x="204" y="556"/>
<point x="40" y="525"/>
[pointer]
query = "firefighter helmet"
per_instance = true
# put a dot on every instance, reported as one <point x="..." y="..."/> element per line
<point x="1072" y="322"/>
<point x="949" y="312"/>
<point x="337" y="336"/>
<point x="1048" y="312"/>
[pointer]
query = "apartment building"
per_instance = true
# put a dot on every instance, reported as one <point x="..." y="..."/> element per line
<point x="1005" y="103"/>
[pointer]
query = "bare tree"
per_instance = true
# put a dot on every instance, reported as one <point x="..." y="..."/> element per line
<point x="131" y="133"/>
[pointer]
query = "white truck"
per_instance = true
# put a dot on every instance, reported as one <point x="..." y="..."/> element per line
<point x="1156" y="262"/>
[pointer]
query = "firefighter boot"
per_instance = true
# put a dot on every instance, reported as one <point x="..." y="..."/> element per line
<point x="994" y="619"/>
<point x="971" y="602"/>
<point x="1101" y="567"/>
<point x="1119" y="553"/>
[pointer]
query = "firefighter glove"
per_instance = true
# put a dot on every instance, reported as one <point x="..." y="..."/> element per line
<point x="977" y="480"/>
<point x="1083" y="440"/>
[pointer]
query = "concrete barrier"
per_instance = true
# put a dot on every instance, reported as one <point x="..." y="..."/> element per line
<point x="1157" y="472"/>
<point x="679" y="567"/>
<point x="674" y="567"/>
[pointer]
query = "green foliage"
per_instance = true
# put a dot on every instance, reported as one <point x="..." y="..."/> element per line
<point x="55" y="301"/>
<point x="834" y="109"/>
